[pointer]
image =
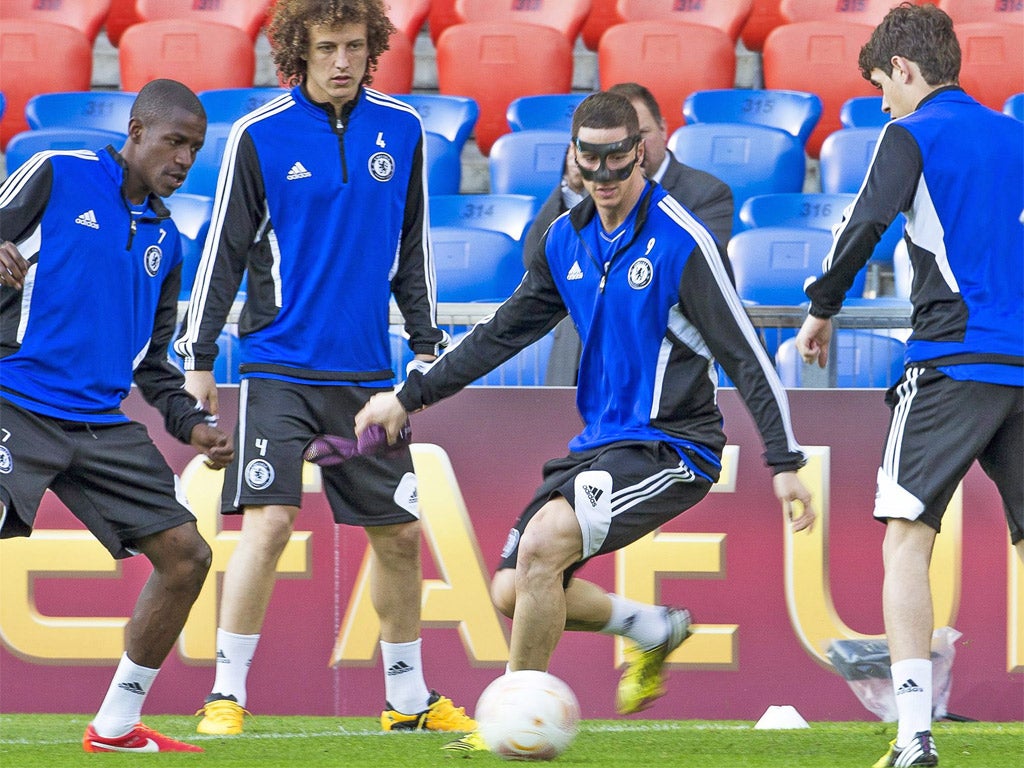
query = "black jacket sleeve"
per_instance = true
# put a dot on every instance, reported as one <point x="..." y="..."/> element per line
<point x="23" y="199"/>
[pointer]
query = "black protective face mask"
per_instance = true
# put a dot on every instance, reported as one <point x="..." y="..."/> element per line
<point x="603" y="172"/>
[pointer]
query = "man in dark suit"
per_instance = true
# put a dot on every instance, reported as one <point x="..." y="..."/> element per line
<point x="709" y="198"/>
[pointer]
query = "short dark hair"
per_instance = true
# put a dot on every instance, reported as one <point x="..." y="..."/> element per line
<point x="605" y="110"/>
<point x="159" y="98"/>
<point x="922" y="34"/>
<point x="637" y="92"/>
<point x="292" y="19"/>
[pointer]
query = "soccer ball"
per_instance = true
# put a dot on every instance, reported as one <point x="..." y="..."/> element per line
<point x="528" y="715"/>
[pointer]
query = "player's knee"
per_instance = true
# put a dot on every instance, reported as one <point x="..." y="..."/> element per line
<point x="503" y="591"/>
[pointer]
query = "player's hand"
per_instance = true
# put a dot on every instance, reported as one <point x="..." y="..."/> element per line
<point x="385" y="410"/>
<point x="215" y="444"/>
<point x="13" y="266"/>
<point x="812" y="342"/>
<point x="202" y="387"/>
<point x="790" y="491"/>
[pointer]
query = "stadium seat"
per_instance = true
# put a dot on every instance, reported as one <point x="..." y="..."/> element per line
<point x="25" y="144"/>
<point x="751" y="159"/>
<point x="408" y="16"/>
<point x="229" y="354"/>
<point x="998" y="11"/>
<point x="246" y="15"/>
<point x="121" y="16"/>
<point x="475" y="264"/>
<point x="401" y="355"/>
<point x="1014" y="106"/>
<point x="869" y="12"/>
<point x="3" y="104"/>
<point x="863" y="112"/>
<point x="441" y="16"/>
<point x="510" y="214"/>
<point x="672" y="59"/>
<point x="548" y="111"/>
<point x="992" y="65"/>
<point x="726" y="15"/>
<point x="86" y="16"/>
<point x="818" y="57"/>
<point x="105" y="110"/>
<point x="772" y="264"/>
<point x="794" y="112"/>
<point x="565" y="16"/>
<point x="863" y="359"/>
<point x="39" y="57"/>
<point x="202" y="55"/>
<point x="494" y="63"/>
<point x="845" y="157"/>
<point x="450" y="116"/>
<point x="602" y="15"/>
<point x="527" y="368"/>
<point x="191" y="214"/>
<point x="444" y="165"/>
<point x="528" y="162"/>
<point x="202" y="178"/>
<point x="764" y="17"/>
<point x="396" y="66"/>
<point x="225" y="105"/>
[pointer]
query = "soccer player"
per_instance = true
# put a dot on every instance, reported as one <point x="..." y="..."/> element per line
<point x="90" y="269"/>
<point x="956" y="170"/>
<point x="647" y="286"/>
<point x="321" y="200"/>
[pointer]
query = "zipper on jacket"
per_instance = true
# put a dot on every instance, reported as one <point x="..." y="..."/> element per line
<point x="339" y="127"/>
<point x="131" y="231"/>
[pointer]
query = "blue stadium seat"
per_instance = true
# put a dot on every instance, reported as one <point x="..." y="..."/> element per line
<point x="3" y="104"/>
<point x="475" y="264"/>
<point x="795" y="112"/>
<point x="202" y="178"/>
<point x="101" y="110"/>
<point x="25" y="144"/>
<point x="543" y="111"/>
<point x="863" y="359"/>
<point x="191" y="214"/>
<point x="225" y="367"/>
<point x="401" y="355"/>
<point x="845" y="157"/>
<point x="863" y="112"/>
<point x="451" y="116"/>
<point x="1014" y="106"/>
<point x="510" y="214"/>
<point x="225" y="105"/>
<point x="528" y="162"/>
<point x="444" y="165"/>
<point x="526" y="368"/>
<point x="751" y="159"/>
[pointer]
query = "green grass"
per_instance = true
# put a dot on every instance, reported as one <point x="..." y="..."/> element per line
<point x="54" y="741"/>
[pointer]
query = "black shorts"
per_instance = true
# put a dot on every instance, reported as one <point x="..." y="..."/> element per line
<point x="620" y="493"/>
<point x="939" y="427"/>
<point x="276" y="421"/>
<point x="110" y="476"/>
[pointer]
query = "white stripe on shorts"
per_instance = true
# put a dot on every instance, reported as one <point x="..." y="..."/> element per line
<point x="891" y="499"/>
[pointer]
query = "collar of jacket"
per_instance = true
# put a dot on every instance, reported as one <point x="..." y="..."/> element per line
<point x="117" y="168"/>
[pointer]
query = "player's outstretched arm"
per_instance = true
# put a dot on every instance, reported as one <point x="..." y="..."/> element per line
<point x="385" y="410"/>
<point x="789" y="490"/>
<point x="812" y="342"/>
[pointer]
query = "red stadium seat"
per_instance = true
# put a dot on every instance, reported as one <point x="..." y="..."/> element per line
<point x="442" y="15"/>
<point x="670" y="58"/>
<point x="567" y="16"/>
<point x="869" y="12"/>
<point x="969" y="11"/>
<point x="122" y="15"/>
<point x="408" y="16"/>
<point x="764" y="17"/>
<point x="495" y="63"/>
<point x="247" y="15"/>
<point x="395" y="67"/>
<point x="602" y="15"/>
<point x="819" y="57"/>
<point x="39" y="57"/>
<point x="84" y="15"/>
<point x="992" y="61"/>
<point x="202" y="55"/>
<point x="726" y="15"/>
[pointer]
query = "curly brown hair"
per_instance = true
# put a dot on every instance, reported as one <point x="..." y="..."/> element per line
<point x="922" y="34"/>
<point x="291" y="22"/>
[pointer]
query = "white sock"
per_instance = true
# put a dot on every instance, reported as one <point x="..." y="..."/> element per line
<point x="645" y="625"/>
<point x="404" y="687"/>
<point x="234" y="657"/>
<point x="121" y="709"/>
<point x="912" y="682"/>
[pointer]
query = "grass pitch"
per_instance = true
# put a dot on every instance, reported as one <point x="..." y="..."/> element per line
<point x="54" y="741"/>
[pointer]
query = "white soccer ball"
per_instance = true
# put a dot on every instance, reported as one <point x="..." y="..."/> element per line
<point x="528" y="715"/>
